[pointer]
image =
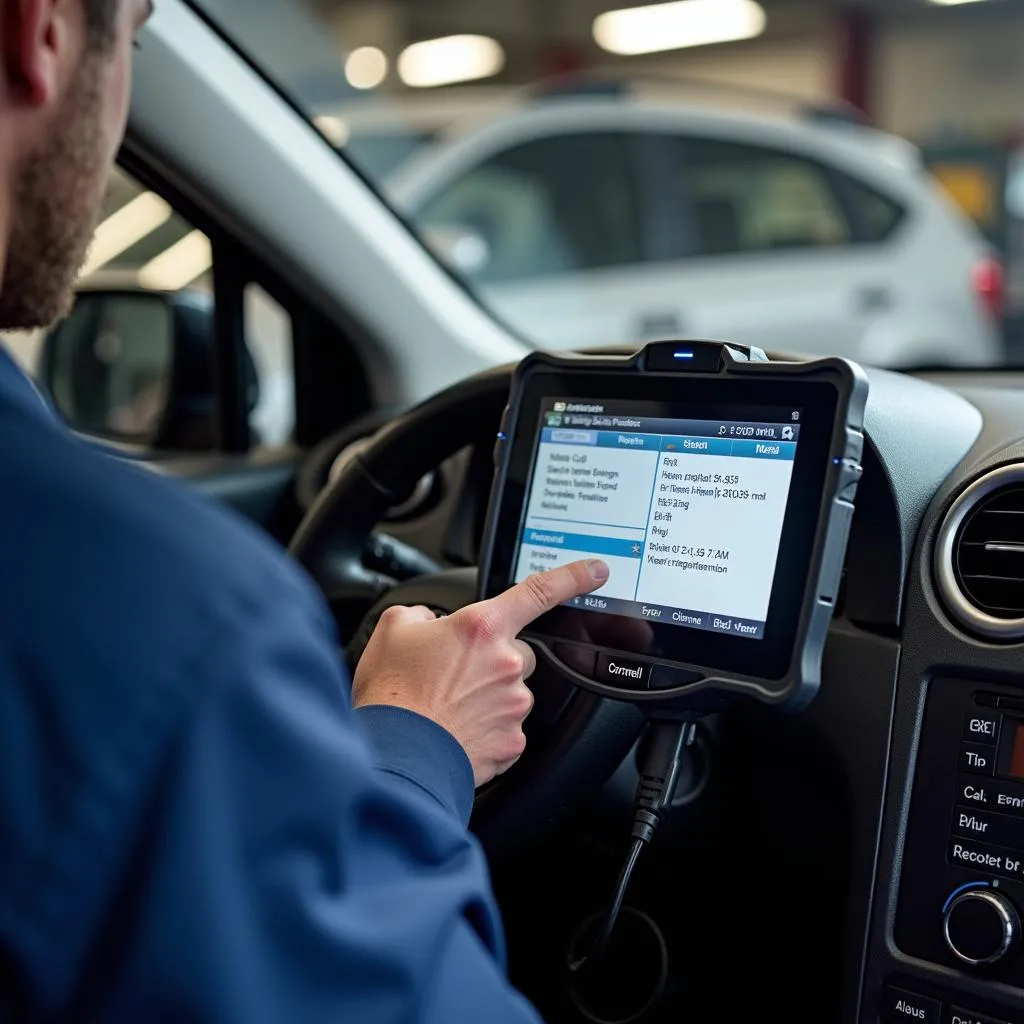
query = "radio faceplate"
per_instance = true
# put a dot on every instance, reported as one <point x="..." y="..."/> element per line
<point x="962" y="888"/>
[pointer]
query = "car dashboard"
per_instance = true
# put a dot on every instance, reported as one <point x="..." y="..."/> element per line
<point x="942" y="919"/>
<point x="872" y="846"/>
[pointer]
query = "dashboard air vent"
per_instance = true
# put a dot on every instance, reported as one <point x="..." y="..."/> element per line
<point x="980" y="555"/>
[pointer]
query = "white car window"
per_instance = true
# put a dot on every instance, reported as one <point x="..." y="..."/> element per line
<point x="528" y="212"/>
<point x="749" y="199"/>
<point x="877" y="216"/>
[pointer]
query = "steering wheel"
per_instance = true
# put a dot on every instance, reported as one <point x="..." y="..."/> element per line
<point x="576" y="740"/>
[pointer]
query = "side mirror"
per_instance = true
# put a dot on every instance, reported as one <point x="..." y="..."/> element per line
<point x="138" y="367"/>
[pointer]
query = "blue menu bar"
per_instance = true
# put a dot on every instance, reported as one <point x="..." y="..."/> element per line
<point x="697" y="445"/>
<point x="584" y="542"/>
<point x="684" y="445"/>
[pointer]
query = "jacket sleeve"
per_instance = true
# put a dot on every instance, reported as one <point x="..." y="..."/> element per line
<point x="294" y="871"/>
<point x="419" y="753"/>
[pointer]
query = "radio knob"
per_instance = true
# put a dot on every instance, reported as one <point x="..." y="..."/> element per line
<point x="981" y="927"/>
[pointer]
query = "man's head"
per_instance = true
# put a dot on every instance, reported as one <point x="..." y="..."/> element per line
<point x="64" y="89"/>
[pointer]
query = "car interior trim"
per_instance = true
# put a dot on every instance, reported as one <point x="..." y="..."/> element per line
<point x="408" y="313"/>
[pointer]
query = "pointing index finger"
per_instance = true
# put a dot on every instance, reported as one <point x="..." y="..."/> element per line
<point x="526" y="601"/>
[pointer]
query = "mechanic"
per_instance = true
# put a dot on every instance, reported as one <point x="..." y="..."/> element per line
<point x="195" y="825"/>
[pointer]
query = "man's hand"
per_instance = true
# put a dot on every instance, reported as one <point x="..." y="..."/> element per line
<point x="467" y="672"/>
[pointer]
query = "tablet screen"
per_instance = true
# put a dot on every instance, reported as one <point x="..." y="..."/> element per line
<point x="688" y="513"/>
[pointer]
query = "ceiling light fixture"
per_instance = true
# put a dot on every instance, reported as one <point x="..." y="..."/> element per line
<point x="451" y="59"/>
<point x="366" y="67"/>
<point x="179" y="265"/>
<point x="676" y="26"/>
<point x="953" y="3"/>
<point x="122" y="229"/>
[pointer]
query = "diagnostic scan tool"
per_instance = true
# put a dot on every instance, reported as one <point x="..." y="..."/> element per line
<point x="719" y="488"/>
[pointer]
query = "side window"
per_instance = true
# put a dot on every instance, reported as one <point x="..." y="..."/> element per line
<point x="876" y="216"/>
<point x="135" y="361"/>
<point x="530" y="212"/>
<point x="268" y="336"/>
<point x="750" y="199"/>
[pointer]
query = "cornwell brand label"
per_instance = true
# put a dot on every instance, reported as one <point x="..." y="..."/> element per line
<point x="623" y="670"/>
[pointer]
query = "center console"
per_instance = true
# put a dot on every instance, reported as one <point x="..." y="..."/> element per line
<point x="961" y="903"/>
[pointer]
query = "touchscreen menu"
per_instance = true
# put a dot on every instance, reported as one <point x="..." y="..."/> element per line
<point x="688" y="513"/>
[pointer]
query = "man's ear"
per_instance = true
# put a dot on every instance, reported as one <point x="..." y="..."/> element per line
<point x="36" y="39"/>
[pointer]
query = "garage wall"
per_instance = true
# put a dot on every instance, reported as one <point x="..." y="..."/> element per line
<point x="798" y="68"/>
<point x="936" y="70"/>
<point x="792" y="58"/>
<point x="948" y="75"/>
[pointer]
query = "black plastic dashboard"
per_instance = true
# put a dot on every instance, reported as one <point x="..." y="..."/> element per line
<point x="936" y="821"/>
<point x="935" y="881"/>
<point x="903" y="680"/>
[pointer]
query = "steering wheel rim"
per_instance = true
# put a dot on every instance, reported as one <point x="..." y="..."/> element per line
<point x="589" y="738"/>
<point x="329" y="541"/>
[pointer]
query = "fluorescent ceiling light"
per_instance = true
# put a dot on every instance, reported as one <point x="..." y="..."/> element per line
<point x="333" y="129"/>
<point x="121" y="230"/>
<point x="366" y="67"/>
<point x="676" y="26"/>
<point x="450" y="59"/>
<point x="178" y="266"/>
<point x="953" y="3"/>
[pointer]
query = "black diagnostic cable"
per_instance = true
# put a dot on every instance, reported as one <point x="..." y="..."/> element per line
<point x="660" y="759"/>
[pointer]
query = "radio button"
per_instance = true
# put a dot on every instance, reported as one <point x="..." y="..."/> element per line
<point x="989" y="860"/>
<point x="958" y="1016"/>
<point x="1006" y="797"/>
<point x="999" y="795"/>
<point x="992" y="828"/>
<point x="975" y="793"/>
<point x="981" y="727"/>
<point x="898" y="1004"/>
<point x="978" y="758"/>
<point x="981" y="926"/>
<point x="622" y="673"/>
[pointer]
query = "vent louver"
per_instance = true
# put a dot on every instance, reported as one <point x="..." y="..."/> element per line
<point x="989" y="555"/>
<point x="980" y="555"/>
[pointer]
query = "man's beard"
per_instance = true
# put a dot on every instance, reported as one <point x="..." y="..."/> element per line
<point x="55" y="198"/>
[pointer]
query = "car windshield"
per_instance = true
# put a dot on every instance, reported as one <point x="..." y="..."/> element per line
<point x="809" y="177"/>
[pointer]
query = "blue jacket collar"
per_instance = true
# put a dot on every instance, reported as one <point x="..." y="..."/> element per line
<point x="17" y="386"/>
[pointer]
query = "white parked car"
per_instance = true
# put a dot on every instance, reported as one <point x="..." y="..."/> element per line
<point x="591" y="220"/>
